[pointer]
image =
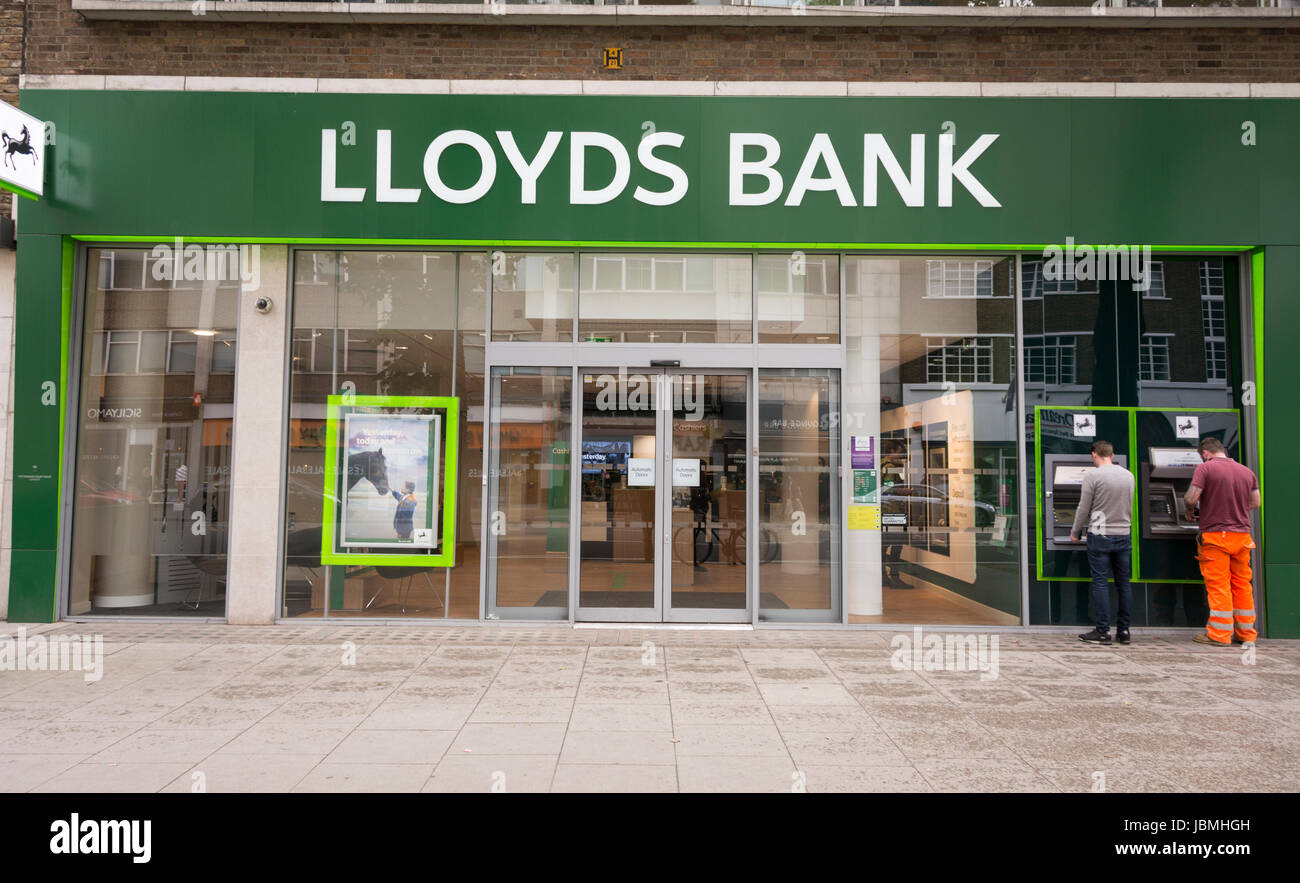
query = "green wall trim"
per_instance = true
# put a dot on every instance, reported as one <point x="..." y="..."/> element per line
<point x="65" y="334"/>
<point x="1135" y="525"/>
<point x="1257" y="308"/>
<point x="21" y="191"/>
<point x="613" y="243"/>
<point x="333" y="494"/>
<point x="1257" y="329"/>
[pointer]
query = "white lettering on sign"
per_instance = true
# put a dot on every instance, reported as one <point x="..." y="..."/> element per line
<point x="330" y="191"/>
<point x="579" y="142"/>
<point x="751" y="163"/>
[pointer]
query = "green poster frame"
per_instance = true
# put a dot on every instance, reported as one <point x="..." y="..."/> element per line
<point x="329" y="553"/>
<point x="1134" y="525"/>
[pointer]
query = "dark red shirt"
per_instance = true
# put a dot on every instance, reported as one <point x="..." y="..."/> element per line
<point x="1226" y="487"/>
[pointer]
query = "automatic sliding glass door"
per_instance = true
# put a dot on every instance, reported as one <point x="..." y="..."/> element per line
<point x="663" y="508"/>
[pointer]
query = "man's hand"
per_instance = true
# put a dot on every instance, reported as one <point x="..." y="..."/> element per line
<point x="1073" y="538"/>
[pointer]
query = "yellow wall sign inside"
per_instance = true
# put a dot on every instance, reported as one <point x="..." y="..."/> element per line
<point x="864" y="518"/>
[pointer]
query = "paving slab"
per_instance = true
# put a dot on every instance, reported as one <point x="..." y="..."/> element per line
<point x="444" y="707"/>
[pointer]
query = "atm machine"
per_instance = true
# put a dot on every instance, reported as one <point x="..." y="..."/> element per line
<point x="1061" y="492"/>
<point x="1165" y="480"/>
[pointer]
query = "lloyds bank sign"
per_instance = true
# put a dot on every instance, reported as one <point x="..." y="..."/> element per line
<point x="689" y="171"/>
<point x="500" y="161"/>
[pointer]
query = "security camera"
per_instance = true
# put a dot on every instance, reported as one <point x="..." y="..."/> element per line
<point x="263" y="305"/>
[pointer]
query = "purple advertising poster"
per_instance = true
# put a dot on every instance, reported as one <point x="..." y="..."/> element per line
<point x="862" y="452"/>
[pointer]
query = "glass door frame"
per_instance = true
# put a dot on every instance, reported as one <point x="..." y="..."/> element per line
<point x="662" y="610"/>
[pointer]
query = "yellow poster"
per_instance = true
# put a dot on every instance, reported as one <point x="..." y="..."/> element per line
<point x="864" y="518"/>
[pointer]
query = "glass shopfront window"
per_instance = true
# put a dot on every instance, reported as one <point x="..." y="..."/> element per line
<point x="1150" y="362"/>
<point x="368" y="323"/>
<point x="798" y="298"/>
<point x="528" y="563"/>
<point x="665" y="298"/>
<point x="798" y="547"/>
<point x="886" y="487"/>
<point x="151" y="498"/>
<point x="532" y="297"/>
<point x="930" y="421"/>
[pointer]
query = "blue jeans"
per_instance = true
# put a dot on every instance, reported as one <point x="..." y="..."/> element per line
<point x="1107" y="556"/>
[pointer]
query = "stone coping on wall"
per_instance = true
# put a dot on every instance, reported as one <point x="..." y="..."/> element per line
<point x="682" y="88"/>
<point x="733" y="16"/>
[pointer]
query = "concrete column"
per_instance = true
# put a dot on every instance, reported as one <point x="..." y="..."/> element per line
<point x="257" y="470"/>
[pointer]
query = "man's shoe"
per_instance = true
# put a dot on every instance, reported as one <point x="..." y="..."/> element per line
<point x="1095" y="637"/>
<point x="1203" y="638"/>
<point x="1121" y="637"/>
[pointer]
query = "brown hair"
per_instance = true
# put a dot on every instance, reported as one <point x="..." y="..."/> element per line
<point x="1212" y="445"/>
<point x="1103" y="448"/>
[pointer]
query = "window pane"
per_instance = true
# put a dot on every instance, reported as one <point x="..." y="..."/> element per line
<point x="932" y="440"/>
<point x="183" y="353"/>
<point x="381" y="323"/>
<point x="529" y="487"/>
<point x="798" y="458"/>
<point x="798" y="298"/>
<point x="150" y="464"/>
<point x="153" y="352"/>
<point x="532" y="296"/>
<point x="665" y="299"/>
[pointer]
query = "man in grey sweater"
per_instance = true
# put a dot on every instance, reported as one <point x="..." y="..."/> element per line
<point x="1106" y="509"/>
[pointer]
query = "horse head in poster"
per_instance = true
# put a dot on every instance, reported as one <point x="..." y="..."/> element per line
<point x="371" y="466"/>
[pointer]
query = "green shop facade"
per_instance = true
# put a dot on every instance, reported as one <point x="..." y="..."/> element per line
<point x="642" y="358"/>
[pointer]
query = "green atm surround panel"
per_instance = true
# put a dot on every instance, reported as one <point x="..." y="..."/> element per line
<point x="1134" y="431"/>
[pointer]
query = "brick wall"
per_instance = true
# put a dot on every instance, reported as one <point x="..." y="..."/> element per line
<point x="11" y="63"/>
<point x="60" y="42"/>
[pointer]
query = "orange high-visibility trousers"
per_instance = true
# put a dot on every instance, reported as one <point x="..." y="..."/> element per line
<point x="1225" y="566"/>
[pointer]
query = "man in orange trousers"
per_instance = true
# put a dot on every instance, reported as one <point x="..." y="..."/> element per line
<point x="1226" y="492"/>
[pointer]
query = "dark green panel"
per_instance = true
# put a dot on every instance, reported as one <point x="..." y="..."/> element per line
<point x="1145" y="171"/>
<point x="249" y="164"/>
<point x="31" y="586"/>
<point x="1278" y="143"/>
<point x="37" y="390"/>
<point x="1283" y="611"/>
<point x="1281" y="430"/>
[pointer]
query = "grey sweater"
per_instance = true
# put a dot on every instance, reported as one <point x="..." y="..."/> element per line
<point x="1105" y="503"/>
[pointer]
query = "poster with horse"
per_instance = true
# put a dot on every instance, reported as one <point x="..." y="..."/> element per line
<point x="391" y="498"/>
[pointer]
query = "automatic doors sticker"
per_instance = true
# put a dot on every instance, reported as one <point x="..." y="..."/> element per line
<point x="1085" y="425"/>
<point x="392" y="480"/>
<point x="640" y="472"/>
<point x="686" y="472"/>
<point x="1188" y="427"/>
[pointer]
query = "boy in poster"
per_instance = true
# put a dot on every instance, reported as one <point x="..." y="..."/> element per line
<point x="404" y="518"/>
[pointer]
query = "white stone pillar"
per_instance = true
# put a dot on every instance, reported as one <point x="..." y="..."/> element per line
<point x="257" y="470"/>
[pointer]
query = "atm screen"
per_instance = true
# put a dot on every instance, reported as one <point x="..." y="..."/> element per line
<point x="1163" y="457"/>
<point x="1070" y="474"/>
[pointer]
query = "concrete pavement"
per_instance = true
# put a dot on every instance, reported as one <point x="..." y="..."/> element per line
<point x="184" y="707"/>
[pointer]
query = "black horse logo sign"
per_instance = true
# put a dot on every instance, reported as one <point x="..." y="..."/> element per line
<point x="21" y="145"/>
<point x="1186" y="427"/>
